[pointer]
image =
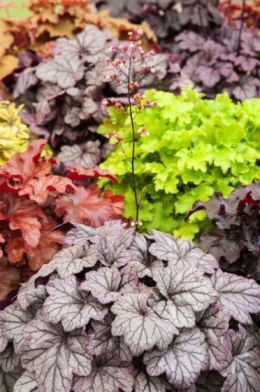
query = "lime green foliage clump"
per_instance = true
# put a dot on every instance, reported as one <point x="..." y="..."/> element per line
<point x="14" y="135"/>
<point x="195" y="147"/>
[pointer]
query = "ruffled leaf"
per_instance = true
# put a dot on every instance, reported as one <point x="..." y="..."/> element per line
<point x="182" y="361"/>
<point x="239" y="296"/>
<point x="54" y="356"/>
<point x="70" y="306"/>
<point x="135" y="320"/>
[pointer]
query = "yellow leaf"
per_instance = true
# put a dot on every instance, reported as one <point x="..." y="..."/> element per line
<point x="7" y="64"/>
<point x="6" y="38"/>
<point x="64" y="29"/>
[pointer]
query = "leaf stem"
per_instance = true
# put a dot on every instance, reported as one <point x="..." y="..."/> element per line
<point x="137" y="205"/>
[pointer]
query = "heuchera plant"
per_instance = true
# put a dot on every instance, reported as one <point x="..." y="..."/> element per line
<point x="167" y="17"/>
<point x="187" y="148"/>
<point x="234" y="238"/>
<point x="116" y="310"/>
<point x="14" y="134"/>
<point x="63" y="94"/>
<point x="49" y="20"/>
<point x="35" y="204"/>
<point x="227" y="60"/>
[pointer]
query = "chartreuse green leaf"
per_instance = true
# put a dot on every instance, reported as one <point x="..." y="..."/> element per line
<point x="195" y="147"/>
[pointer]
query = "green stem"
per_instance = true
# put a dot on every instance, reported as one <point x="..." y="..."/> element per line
<point x="137" y="206"/>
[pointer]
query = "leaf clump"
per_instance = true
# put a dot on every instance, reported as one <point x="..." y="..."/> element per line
<point x="109" y="311"/>
<point x="36" y="203"/>
<point x="234" y="237"/>
<point x="64" y="94"/>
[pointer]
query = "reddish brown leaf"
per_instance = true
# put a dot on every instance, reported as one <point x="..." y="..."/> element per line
<point x="15" y="249"/>
<point x="48" y="245"/>
<point x="22" y="214"/>
<point x="39" y="189"/>
<point x="89" y="207"/>
<point x="80" y="173"/>
<point x="10" y="278"/>
<point x="24" y="167"/>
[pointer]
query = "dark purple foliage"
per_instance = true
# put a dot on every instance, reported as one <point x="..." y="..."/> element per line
<point x="126" y="312"/>
<point x="167" y="17"/>
<point x="220" y="62"/>
<point x="235" y="237"/>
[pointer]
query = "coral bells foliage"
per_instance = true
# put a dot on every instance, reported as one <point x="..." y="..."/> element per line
<point x="228" y="60"/>
<point x="234" y="238"/>
<point x="118" y="311"/>
<point x="34" y="201"/>
<point x="63" y="94"/>
<point x="14" y="135"/>
<point x="186" y="147"/>
<point x="167" y="17"/>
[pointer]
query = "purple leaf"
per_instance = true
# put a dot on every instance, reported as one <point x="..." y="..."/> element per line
<point x="190" y="41"/>
<point x="86" y="156"/>
<point x="208" y="75"/>
<point x="246" y="88"/>
<point x="238" y="295"/>
<point x="141" y="325"/>
<point x="25" y="80"/>
<point x="182" y="361"/>
<point x="54" y="355"/>
<point x="70" y="306"/>
<point x="60" y="71"/>
<point x="88" y="43"/>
